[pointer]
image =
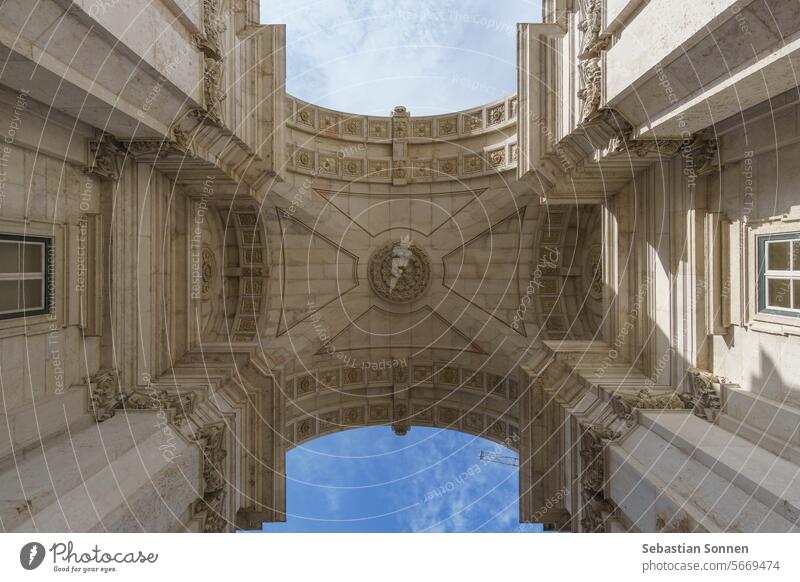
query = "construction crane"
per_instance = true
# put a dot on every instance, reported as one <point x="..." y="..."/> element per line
<point x="501" y="459"/>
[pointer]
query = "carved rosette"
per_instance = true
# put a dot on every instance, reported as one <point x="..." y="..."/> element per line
<point x="104" y="394"/>
<point x="399" y="272"/>
<point x="211" y="438"/>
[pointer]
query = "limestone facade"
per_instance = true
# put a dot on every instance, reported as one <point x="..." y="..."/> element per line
<point x="571" y="270"/>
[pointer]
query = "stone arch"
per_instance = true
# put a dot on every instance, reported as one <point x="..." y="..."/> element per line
<point x="233" y="249"/>
<point x="417" y="393"/>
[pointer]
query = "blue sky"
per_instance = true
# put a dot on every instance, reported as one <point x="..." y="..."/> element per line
<point x="370" y="480"/>
<point x="433" y="56"/>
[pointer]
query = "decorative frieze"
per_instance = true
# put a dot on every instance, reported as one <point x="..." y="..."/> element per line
<point x="624" y="405"/>
<point x="178" y="405"/>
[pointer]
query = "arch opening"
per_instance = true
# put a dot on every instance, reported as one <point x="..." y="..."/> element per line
<point x="430" y="480"/>
<point x="367" y="57"/>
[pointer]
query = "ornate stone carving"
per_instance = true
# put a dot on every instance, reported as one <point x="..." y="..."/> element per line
<point x="423" y="169"/>
<point x="305" y="116"/>
<point x="399" y="271"/>
<point x="595" y="437"/>
<point x="378" y="129"/>
<point x="596" y="509"/>
<point x="422" y="129"/>
<point x="472" y="164"/>
<point x="157" y="148"/>
<point x="497" y="114"/>
<point x="473" y="121"/>
<point x="399" y="169"/>
<point x="596" y="513"/>
<point x="402" y="422"/>
<point x="497" y="158"/>
<point x="104" y="157"/>
<point x="104" y="394"/>
<point x="624" y="404"/>
<point x="622" y="142"/>
<point x="304" y="159"/>
<point x="180" y="405"/>
<point x="400" y="124"/>
<point x="207" y="270"/>
<point x="448" y="126"/>
<point x="210" y="42"/>
<point x="593" y="271"/>
<point x="378" y="169"/>
<point x="674" y="525"/>
<point x="448" y="168"/>
<point x="352" y="126"/>
<point x="213" y="90"/>
<point x="211" y="438"/>
<point x="704" y="395"/>
<point x="183" y="139"/>
<point x="700" y="156"/>
<point x="593" y="42"/>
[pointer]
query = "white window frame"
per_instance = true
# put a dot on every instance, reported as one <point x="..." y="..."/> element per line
<point x="44" y="275"/>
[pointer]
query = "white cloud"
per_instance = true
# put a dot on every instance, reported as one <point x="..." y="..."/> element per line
<point x="431" y="56"/>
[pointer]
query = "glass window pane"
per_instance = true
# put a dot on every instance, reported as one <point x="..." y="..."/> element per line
<point x="778" y="294"/>
<point x="796" y="255"/>
<point x="778" y="256"/>
<point x="9" y="296"/>
<point x="32" y="297"/>
<point x="33" y="257"/>
<point x="796" y="299"/>
<point x="9" y="257"/>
